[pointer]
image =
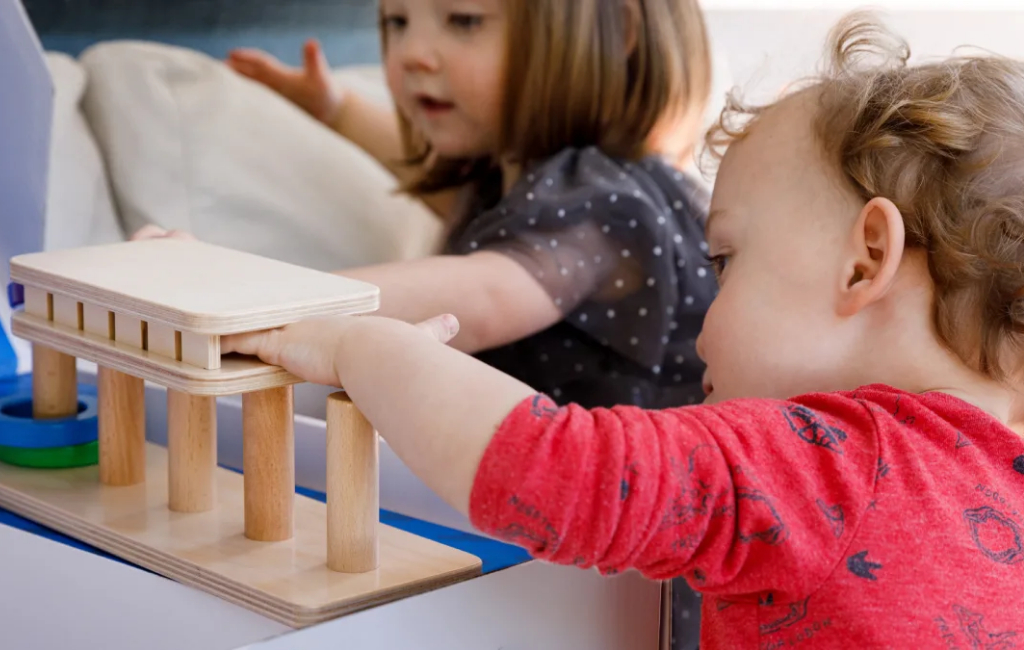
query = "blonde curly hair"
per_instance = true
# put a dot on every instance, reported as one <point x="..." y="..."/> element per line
<point x="944" y="141"/>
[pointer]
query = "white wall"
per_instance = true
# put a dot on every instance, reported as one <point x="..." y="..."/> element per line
<point x="766" y="48"/>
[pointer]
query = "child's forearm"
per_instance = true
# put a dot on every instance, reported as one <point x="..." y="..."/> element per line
<point x="374" y="129"/>
<point x="495" y="299"/>
<point x="436" y="407"/>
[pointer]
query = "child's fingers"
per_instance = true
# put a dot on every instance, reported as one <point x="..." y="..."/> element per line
<point x="180" y="234"/>
<point x="251" y="55"/>
<point x="153" y="231"/>
<point x="314" y="59"/>
<point x="255" y="63"/>
<point x="149" y="231"/>
<point x="257" y="344"/>
<point x="442" y="328"/>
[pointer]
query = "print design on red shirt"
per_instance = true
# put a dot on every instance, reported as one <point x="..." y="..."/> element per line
<point x="534" y="531"/>
<point x="971" y="624"/>
<point x="835" y="515"/>
<point x="806" y="424"/>
<point x="1018" y="464"/>
<point x="905" y="421"/>
<point x="694" y="500"/>
<point x="989" y="526"/>
<point x="544" y="407"/>
<point x="860" y="566"/>
<point x="759" y="520"/>
<point x="797" y="612"/>
<point x="541" y="537"/>
<point x="749" y="499"/>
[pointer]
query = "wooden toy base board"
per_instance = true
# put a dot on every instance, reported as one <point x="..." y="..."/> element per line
<point x="237" y="374"/>
<point x="286" y="581"/>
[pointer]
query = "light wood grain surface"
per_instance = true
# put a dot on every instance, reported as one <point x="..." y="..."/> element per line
<point x="192" y="452"/>
<point x="353" y="487"/>
<point x="193" y="286"/>
<point x="122" y="428"/>
<point x="54" y="383"/>
<point x="288" y="581"/>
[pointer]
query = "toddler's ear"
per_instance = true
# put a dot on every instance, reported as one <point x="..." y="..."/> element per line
<point x="876" y="250"/>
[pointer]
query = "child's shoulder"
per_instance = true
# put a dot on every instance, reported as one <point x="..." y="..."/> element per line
<point x="889" y="408"/>
<point x="583" y="179"/>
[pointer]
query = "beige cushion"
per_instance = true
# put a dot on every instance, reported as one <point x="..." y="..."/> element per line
<point x="79" y="207"/>
<point x="191" y="145"/>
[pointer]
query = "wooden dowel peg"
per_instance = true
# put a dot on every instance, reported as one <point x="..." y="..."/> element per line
<point x="54" y="383"/>
<point x="192" y="451"/>
<point x="122" y="428"/>
<point x="353" y="497"/>
<point x="268" y="459"/>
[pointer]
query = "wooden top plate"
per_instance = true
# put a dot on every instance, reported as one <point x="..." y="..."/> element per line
<point x="193" y="286"/>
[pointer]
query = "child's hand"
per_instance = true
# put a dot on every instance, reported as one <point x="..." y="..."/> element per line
<point x="309" y="349"/>
<point x="152" y="231"/>
<point x="437" y="408"/>
<point x="310" y="88"/>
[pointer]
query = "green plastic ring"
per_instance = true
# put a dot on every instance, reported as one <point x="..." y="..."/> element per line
<point x="52" y="457"/>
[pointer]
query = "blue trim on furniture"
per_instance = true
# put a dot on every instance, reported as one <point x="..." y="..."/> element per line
<point x="494" y="555"/>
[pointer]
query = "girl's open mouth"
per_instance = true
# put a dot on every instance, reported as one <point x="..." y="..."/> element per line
<point x="433" y="106"/>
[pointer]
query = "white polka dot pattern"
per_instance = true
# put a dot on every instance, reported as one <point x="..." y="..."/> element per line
<point x="617" y="247"/>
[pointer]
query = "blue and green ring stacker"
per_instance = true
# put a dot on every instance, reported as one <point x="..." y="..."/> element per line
<point x="48" y="443"/>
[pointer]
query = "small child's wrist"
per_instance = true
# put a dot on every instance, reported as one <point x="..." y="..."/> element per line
<point x="339" y="118"/>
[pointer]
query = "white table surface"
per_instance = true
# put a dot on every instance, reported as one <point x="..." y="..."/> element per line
<point x="60" y="597"/>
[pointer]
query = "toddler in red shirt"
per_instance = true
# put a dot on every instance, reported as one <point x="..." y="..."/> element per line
<point x="855" y="477"/>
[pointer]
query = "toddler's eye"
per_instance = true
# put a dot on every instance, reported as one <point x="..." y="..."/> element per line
<point x="394" y="22"/>
<point x="717" y="263"/>
<point x="465" y="21"/>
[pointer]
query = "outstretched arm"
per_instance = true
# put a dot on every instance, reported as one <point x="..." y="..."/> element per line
<point x="737" y="496"/>
<point x="410" y="388"/>
<point x="493" y="296"/>
<point x="495" y="299"/>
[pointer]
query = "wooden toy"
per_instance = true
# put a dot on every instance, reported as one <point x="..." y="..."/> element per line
<point x="155" y="311"/>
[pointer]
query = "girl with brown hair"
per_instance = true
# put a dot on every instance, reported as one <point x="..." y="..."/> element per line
<point x="544" y="134"/>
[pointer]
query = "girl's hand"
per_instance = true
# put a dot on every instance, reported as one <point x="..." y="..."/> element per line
<point x="310" y="348"/>
<point x="153" y="231"/>
<point x="310" y="88"/>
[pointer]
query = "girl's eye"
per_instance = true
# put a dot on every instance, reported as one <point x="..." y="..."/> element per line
<point x="717" y="262"/>
<point x="465" y="21"/>
<point x="394" y="22"/>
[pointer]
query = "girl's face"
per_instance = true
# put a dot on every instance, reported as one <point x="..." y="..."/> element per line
<point x="445" y="65"/>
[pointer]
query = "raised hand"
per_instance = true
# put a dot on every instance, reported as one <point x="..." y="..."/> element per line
<point x="311" y="87"/>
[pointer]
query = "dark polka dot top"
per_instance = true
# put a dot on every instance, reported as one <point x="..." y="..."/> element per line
<point x="619" y="246"/>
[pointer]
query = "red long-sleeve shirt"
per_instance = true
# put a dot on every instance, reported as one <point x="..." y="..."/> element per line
<point x="874" y="518"/>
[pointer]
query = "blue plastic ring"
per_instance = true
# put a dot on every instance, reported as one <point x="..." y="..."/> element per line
<point x="19" y="429"/>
